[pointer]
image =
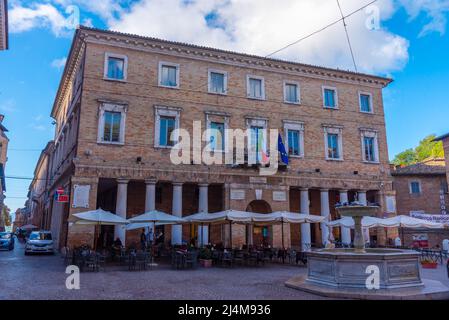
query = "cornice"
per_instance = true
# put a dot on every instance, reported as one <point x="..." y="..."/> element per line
<point x="222" y="56"/>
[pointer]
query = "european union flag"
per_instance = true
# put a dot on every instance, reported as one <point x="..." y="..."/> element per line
<point x="281" y="149"/>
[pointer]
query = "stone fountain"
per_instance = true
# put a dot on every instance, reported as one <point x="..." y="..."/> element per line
<point x="344" y="273"/>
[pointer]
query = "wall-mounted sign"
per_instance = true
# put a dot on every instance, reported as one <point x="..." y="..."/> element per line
<point x="81" y="196"/>
<point x="62" y="198"/>
<point x="439" y="218"/>
<point x="279" y="196"/>
<point x="257" y="180"/>
<point x="390" y="204"/>
<point x="237" y="194"/>
<point x="259" y="194"/>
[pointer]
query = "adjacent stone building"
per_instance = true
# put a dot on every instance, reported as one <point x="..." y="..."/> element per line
<point x="4" y="141"/>
<point x="39" y="197"/>
<point x="122" y="95"/>
<point x="422" y="188"/>
<point x="3" y="25"/>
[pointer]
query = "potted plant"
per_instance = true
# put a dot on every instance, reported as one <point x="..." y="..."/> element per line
<point x="205" y="256"/>
<point x="427" y="263"/>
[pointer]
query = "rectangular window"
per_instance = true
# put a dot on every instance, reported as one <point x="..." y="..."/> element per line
<point x="217" y="82"/>
<point x="256" y="88"/>
<point x="329" y="98"/>
<point x="293" y="142"/>
<point x="415" y="187"/>
<point x="217" y="136"/>
<point x="369" y="149"/>
<point x="111" y="132"/>
<point x="291" y="93"/>
<point x="333" y="151"/>
<point x="168" y="76"/>
<point x="167" y="126"/>
<point x="257" y="143"/>
<point x="365" y="103"/>
<point x="115" y="66"/>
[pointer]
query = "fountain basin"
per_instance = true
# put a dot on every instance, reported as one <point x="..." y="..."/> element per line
<point x="347" y="268"/>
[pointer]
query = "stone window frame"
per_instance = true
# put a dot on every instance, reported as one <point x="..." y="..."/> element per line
<point x="294" y="126"/>
<point x="419" y="185"/>
<point x="370" y="102"/>
<point x="112" y="107"/>
<point x="333" y="129"/>
<point x="165" y="111"/>
<point x="108" y="55"/>
<point x="169" y="64"/>
<point x="252" y="121"/>
<point x="248" y="94"/>
<point x="225" y="81"/>
<point x="226" y="118"/>
<point x="298" y="92"/>
<point x="337" y="106"/>
<point x="371" y="133"/>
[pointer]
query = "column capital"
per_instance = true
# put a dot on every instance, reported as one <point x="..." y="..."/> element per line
<point x="203" y="185"/>
<point x="362" y="191"/>
<point x="324" y="190"/>
<point x="177" y="183"/>
<point x="150" y="181"/>
<point x="122" y="181"/>
<point x="343" y="190"/>
<point x="304" y="189"/>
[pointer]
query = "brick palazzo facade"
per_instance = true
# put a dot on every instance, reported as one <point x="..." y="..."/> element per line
<point x="422" y="188"/>
<point x="121" y="95"/>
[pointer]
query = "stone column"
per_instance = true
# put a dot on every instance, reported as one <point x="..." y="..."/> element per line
<point x="150" y="195"/>
<point x="362" y="199"/>
<point x="305" y="227"/>
<point x="345" y="232"/>
<point x="203" y="206"/>
<point x="120" y="208"/>
<point x="150" y="200"/>
<point x="325" y="212"/>
<point x="176" y="230"/>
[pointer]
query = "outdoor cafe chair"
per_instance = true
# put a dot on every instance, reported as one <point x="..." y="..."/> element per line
<point x="239" y="257"/>
<point x="191" y="259"/>
<point x="227" y="259"/>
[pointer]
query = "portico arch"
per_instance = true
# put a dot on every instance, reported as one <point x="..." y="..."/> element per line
<point x="259" y="235"/>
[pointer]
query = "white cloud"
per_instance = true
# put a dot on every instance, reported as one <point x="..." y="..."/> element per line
<point x="37" y="16"/>
<point x="435" y="10"/>
<point x="261" y="27"/>
<point x="59" y="63"/>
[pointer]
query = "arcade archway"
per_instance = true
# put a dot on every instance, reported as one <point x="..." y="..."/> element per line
<point x="259" y="235"/>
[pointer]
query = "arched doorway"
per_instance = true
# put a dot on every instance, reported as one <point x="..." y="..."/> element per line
<point x="259" y="235"/>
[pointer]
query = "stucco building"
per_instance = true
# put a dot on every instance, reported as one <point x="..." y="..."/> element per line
<point x="122" y="95"/>
<point x="4" y="25"/>
<point x="4" y="141"/>
<point x="421" y="190"/>
<point x="39" y="196"/>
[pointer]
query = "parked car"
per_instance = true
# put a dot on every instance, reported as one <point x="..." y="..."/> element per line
<point x="39" y="242"/>
<point x="6" y="241"/>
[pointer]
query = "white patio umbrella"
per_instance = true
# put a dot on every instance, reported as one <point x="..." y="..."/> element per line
<point x="153" y="218"/>
<point x="221" y="217"/>
<point x="367" y="222"/>
<point x="286" y="217"/>
<point x="97" y="217"/>
<point x="403" y="221"/>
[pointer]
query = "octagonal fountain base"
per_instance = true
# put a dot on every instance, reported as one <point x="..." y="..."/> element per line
<point x="342" y="273"/>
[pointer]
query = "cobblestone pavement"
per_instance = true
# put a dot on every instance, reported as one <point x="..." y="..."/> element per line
<point x="43" y="277"/>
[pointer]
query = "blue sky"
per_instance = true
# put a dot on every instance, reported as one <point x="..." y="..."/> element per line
<point x="411" y="46"/>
